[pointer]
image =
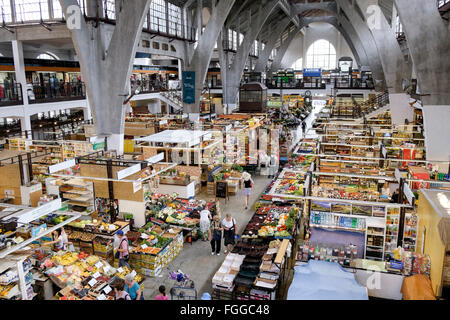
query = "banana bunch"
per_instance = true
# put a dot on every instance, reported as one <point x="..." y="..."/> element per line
<point x="66" y="259"/>
<point x="91" y="260"/>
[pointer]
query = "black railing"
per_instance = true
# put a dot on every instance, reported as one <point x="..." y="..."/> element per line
<point x="10" y="94"/>
<point x="149" y="86"/>
<point x="58" y="91"/>
<point x="350" y="83"/>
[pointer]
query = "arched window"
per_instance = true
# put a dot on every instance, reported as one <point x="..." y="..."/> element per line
<point x="46" y="56"/>
<point x="298" y="65"/>
<point x="321" y="54"/>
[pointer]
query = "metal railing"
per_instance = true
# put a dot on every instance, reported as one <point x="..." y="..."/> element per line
<point x="149" y="86"/>
<point x="59" y="91"/>
<point x="10" y="94"/>
<point x="343" y="83"/>
<point x="371" y="105"/>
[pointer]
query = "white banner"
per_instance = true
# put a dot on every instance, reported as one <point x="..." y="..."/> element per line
<point x="398" y="175"/>
<point x="159" y="157"/>
<point x="61" y="166"/>
<point x="137" y="186"/>
<point x="408" y="193"/>
<point x="128" y="171"/>
<point x="39" y="212"/>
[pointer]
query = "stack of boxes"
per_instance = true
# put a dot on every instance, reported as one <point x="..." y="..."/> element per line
<point x="152" y="265"/>
<point x="224" y="278"/>
<point x="104" y="248"/>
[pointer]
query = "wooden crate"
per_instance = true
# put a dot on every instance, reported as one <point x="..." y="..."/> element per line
<point x="211" y="188"/>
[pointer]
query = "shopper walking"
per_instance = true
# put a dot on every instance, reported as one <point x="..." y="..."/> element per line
<point x="133" y="288"/>
<point x="215" y="236"/>
<point x="119" y="290"/>
<point x="230" y="232"/>
<point x="205" y="223"/>
<point x="162" y="296"/>
<point x="304" y="128"/>
<point x="248" y="186"/>
<point x="122" y="251"/>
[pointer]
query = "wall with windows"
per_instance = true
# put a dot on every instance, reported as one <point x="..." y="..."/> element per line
<point x="31" y="52"/>
<point x="316" y="31"/>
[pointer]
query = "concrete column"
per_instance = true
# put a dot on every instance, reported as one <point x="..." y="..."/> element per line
<point x="276" y="65"/>
<point x="400" y="108"/>
<point x="366" y="38"/>
<point x="201" y="57"/>
<point x="429" y="45"/>
<point x="391" y="56"/>
<point x="87" y="114"/>
<point x="19" y="67"/>
<point x="180" y="70"/>
<point x="97" y="60"/>
<point x="94" y="7"/>
<point x="234" y="76"/>
<point x="25" y="124"/>
<point x="270" y="45"/>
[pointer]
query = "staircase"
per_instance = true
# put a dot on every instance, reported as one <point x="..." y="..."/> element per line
<point x="173" y="99"/>
<point x="373" y="107"/>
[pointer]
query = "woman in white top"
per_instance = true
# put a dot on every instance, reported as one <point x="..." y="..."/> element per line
<point x="205" y="223"/>
<point x="61" y="241"/>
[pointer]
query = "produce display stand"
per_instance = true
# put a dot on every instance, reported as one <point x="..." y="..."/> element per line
<point x="21" y="228"/>
<point x="85" y="277"/>
<point x="150" y="260"/>
<point x="188" y="149"/>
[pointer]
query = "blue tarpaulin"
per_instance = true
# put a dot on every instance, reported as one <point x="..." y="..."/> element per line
<point x="321" y="280"/>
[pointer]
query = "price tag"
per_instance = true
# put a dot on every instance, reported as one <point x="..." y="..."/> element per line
<point x="92" y="282"/>
<point x="107" y="289"/>
<point x="96" y="275"/>
<point x="99" y="265"/>
<point x="120" y="270"/>
<point x="144" y="246"/>
<point x="133" y="273"/>
<point x="106" y="269"/>
<point x="101" y="297"/>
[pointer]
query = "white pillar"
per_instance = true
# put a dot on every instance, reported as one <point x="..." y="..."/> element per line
<point x="19" y="67"/>
<point x="87" y="114"/>
<point x="400" y="108"/>
<point x="25" y="124"/>
<point x="437" y="131"/>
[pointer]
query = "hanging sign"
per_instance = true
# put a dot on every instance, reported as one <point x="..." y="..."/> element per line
<point x="398" y="175"/>
<point x="408" y="194"/>
<point x="159" y="157"/>
<point x="137" y="186"/>
<point x="128" y="171"/>
<point x="189" y="87"/>
<point x="37" y="213"/>
<point x="61" y="166"/>
<point x="384" y="152"/>
<point x="98" y="146"/>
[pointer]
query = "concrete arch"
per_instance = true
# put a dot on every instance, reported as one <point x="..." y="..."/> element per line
<point x="353" y="41"/>
<point x="51" y="54"/>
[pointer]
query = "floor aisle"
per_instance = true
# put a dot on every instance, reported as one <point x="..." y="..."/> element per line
<point x="196" y="259"/>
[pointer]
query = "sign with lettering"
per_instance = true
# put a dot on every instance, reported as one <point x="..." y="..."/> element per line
<point x="408" y="194"/>
<point x="189" y="87"/>
<point x="128" y="171"/>
<point x="61" y="166"/>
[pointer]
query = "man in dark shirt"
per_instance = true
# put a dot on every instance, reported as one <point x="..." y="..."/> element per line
<point x="395" y="196"/>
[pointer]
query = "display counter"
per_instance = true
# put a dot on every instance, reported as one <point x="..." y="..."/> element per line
<point x="185" y="192"/>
